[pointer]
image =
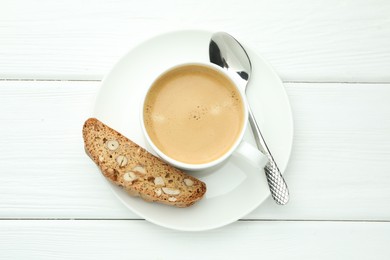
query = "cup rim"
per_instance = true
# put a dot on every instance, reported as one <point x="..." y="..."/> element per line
<point x="197" y="166"/>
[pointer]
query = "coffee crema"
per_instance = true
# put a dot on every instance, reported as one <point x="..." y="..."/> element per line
<point x="193" y="113"/>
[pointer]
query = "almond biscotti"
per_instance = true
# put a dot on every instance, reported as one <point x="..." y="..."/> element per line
<point x="139" y="172"/>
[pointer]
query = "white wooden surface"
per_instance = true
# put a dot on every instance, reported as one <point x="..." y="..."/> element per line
<point x="334" y="57"/>
<point x="120" y="239"/>
<point x="325" y="40"/>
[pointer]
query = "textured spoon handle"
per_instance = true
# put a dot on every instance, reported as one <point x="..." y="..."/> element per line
<point x="276" y="183"/>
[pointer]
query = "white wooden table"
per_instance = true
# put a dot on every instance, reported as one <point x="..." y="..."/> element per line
<point x="334" y="59"/>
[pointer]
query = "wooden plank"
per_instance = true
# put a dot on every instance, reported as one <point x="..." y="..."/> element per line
<point x="338" y="169"/>
<point x="44" y="171"/>
<point x="340" y="160"/>
<point x="304" y="40"/>
<point x="243" y="240"/>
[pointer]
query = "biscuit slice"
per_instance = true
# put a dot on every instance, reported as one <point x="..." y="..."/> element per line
<point x="139" y="172"/>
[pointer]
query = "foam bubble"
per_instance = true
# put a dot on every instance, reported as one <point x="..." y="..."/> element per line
<point x="158" y="118"/>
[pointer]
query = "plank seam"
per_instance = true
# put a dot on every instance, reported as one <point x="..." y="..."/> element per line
<point x="240" y="220"/>
<point x="284" y="82"/>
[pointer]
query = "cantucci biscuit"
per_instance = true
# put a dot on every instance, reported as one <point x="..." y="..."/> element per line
<point x="139" y="172"/>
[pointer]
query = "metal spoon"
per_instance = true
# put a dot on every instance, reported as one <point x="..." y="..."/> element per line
<point x="228" y="53"/>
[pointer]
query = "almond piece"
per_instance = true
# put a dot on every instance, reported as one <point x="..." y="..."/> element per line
<point x="130" y="176"/>
<point x="188" y="182"/>
<point x="159" y="181"/>
<point x="158" y="192"/>
<point x="172" y="199"/>
<point x="112" y="145"/>
<point x="121" y="160"/>
<point x="170" y="191"/>
<point x="139" y="169"/>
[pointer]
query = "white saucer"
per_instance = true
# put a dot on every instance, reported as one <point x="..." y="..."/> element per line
<point x="234" y="189"/>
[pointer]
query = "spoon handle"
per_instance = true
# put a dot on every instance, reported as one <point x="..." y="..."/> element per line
<point x="276" y="183"/>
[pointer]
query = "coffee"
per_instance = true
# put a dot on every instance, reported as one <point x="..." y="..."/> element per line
<point x="193" y="113"/>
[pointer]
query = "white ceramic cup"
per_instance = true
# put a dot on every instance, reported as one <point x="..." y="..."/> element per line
<point x="240" y="147"/>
